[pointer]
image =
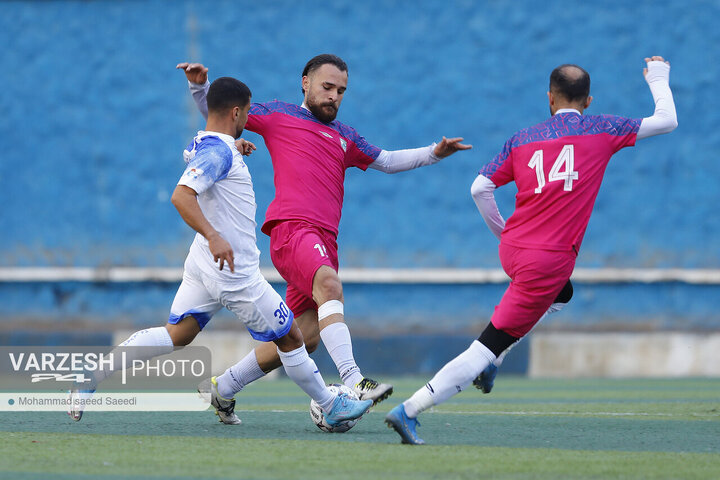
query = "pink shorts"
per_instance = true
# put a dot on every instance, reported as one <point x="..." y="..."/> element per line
<point x="536" y="278"/>
<point x="298" y="249"/>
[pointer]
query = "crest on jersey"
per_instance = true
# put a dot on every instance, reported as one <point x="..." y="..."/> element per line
<point x="194" y="172"/>
<point x="326" y="134"/>
<point x="343" y="144"/>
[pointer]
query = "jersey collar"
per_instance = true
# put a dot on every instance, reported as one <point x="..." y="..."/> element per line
<point x="222" y="136"/>
<point x="568" y="110"/>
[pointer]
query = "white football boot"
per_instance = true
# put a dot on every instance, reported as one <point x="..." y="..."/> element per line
<point x="369" y="389"/>
<point x="224" y="408"/>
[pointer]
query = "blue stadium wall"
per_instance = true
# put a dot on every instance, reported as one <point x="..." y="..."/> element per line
<point x="96" y="116"/>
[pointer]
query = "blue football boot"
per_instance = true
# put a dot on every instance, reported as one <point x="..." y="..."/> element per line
<point x="404" y="425"/>
<point x="345" y="408"/>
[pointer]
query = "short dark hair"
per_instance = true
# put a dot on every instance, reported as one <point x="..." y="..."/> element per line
<point x="323" y="59"/>
<point x="226" y="93"/>
<point x="571" y="82"/>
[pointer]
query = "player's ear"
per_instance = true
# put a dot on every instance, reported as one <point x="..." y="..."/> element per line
<point x="551" y="99"/>
<point x="305" y="84"/>
<point x="588" y="101"/>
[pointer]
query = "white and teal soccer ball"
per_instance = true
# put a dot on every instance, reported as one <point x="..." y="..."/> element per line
<point x="317" y="417"/>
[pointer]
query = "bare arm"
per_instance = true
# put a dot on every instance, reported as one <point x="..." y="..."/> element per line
<point x="185" y="201"/>
<point x="664" y="118"/>
<point x="401" y="160"/>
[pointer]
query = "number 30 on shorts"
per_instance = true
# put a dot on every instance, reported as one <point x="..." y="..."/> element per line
<point x="282" y="313"/>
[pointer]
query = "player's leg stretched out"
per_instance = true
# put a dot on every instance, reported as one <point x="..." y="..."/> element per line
<point x="335" y="336"/>
<point x="527" y="298"/>
<point x="151" y="342"/>
<point x="191" y="310"/>
<point x="307" y="256"/>
<point x="451" y="379"/>
<point x="486" y="380"/>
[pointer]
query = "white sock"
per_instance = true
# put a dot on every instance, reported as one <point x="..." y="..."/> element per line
<point x="555" y="307"/>
<point x="452" y="379"/>
<point x="303" y="371"/>
<point x="155" y="341"/>
<point x="337" y="341"/>
<point x="236" y="377"/>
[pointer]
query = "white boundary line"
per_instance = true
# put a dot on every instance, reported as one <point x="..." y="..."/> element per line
<point x="363" y="275"/>
<point x="529" y="413"/>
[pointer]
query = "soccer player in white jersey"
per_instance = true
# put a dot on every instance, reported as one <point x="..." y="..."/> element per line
<point x="558" y="167"/>
<point x="215" y="197"/>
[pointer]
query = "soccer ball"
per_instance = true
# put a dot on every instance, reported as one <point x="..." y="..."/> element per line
<point x="318" y="418"/>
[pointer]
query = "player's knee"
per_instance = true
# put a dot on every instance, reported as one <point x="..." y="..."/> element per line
<point x="183" y="332"/>
<point x="291" y="340"/>
<point x="327" y="287"/>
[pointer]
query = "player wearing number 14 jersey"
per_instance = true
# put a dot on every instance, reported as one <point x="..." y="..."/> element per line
<point x="558" y="166"/>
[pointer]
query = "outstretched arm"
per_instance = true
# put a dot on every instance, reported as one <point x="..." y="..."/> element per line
<point x="196" y="74"/>
<point x="401" y="160"/>
<point x="482" y="192"/>
<point x="664" y="119"/>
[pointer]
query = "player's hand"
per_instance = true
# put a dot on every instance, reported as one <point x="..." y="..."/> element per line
<point x="221" y="251"/>
<point x="655" y="58"/>
<point x="195" y="72"/>
<point x="448" y="146"/>
<point x="244" y="147"/>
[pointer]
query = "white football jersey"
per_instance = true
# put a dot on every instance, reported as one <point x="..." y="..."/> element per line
<point x="217" y="172"/>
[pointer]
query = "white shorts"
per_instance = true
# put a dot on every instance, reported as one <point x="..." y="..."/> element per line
<point x="252" y="299"/>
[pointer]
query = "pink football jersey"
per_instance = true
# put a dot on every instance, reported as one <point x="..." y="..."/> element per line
<point x="309" y="162"/>
<point x="558" y="166"/>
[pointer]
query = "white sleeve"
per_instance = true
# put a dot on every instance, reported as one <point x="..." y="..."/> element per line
<point x="199" y="94"/>
<point x="482" y="192"/>
<point x="664" y="119"/>
<point x="402" y="160"/>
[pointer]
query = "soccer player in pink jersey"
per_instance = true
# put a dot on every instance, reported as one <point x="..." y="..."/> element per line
<point x="310" y="152"/>
<point x="558" y="166"/>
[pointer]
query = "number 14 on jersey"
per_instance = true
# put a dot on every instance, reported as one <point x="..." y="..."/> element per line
<point x="565" y="161"/>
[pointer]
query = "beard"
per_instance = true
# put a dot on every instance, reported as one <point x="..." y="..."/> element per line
<point x="325" y="112"/>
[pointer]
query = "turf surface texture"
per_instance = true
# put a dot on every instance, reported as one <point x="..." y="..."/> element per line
<point x="525" y="428"/>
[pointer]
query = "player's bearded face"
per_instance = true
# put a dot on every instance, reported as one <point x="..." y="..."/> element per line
<point x="324" y="90"/>
<point x="324" y="111"/>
